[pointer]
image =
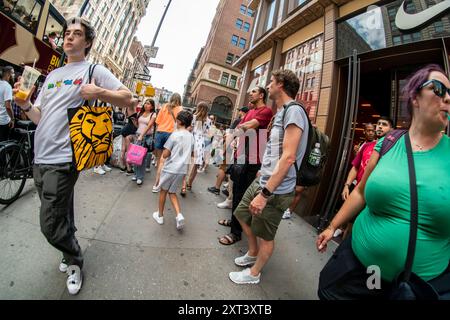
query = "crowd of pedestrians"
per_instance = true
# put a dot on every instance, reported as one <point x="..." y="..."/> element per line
<point x="257" y="158"/>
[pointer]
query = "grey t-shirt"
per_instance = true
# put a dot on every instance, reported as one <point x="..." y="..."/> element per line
<point x="5" y="95"/>
<point x="61" y="91"/>
<point x="294" y="115"/>
<point x="180" y="144"/>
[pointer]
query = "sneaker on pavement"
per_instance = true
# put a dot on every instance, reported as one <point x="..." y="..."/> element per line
<point x="245" y="260"/>
<point x="139" y="182"/>
<point x="99" y="170"/>
<point x="227" y="204"/>
<point x="244" y="277"/>
<point x="63" y="266"/>
<point x="180" y="221"/>
<point x="129" y="172"/>
<point x="156" y="189"/>
<point x="106" y="168"/>
<point x="287" y="214"/>
<point x="134" y="178"/>
<point x="74" y="279"/>
<point x="157" y="218"/>
<point x="225" y="185"/>
<point x="147" y="169"/>
<point x="214" y="190"/>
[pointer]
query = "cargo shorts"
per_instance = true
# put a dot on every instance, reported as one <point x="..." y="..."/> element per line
<point x="264" y="225"/>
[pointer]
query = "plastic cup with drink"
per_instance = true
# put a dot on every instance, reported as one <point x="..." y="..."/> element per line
<point x="29" y="77"/>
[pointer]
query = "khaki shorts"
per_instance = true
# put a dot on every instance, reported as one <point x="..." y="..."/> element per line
<point x="264" y="225"/>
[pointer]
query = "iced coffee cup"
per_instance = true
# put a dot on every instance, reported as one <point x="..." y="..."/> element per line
<point x="29" y="77"/>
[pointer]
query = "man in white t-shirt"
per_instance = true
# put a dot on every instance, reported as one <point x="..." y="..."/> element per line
<point x="54" y="173"/>
<point x="6" y="112"/>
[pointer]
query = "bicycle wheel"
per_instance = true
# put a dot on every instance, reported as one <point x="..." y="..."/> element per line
<point x="13" y="168"/>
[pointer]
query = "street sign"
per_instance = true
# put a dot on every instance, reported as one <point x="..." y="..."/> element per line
<point x="156" y="65"/>
<point x="141" y="76"/>
<point x="151" y="52"/>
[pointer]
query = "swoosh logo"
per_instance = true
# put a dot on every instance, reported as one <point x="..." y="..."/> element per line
<point x="406" y="21"/>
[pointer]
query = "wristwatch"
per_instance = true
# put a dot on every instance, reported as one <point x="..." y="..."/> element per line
<point x="266" y="193"/>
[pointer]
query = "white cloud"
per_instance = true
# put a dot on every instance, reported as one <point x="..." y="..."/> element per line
<point x="184" y="31"/>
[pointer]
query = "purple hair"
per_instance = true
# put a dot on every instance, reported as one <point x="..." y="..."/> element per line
<point x="411" y="89"/>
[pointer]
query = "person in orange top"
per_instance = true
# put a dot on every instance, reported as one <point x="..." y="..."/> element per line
<point x="166" y="124"/>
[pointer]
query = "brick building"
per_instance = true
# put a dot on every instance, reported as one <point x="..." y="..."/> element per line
<point x="213" y="78"/>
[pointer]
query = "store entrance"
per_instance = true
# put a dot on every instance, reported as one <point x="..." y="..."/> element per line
<point x="370" y="86"/>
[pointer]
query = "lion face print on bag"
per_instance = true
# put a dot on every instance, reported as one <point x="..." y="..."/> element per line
<point x="91" y="131"/>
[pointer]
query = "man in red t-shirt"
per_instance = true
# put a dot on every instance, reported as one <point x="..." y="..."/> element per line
<point x="359" y="164"/>
<point x="249" y="152"/>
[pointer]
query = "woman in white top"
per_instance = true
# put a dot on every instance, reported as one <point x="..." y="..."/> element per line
<point x="144" y="136"/>
<point x="200" y="129"/>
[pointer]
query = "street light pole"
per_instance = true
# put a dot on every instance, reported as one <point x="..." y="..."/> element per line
<point x="160" y="23"/>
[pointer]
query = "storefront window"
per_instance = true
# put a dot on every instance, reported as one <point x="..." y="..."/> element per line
<point x="259" y="77"/>
<point x="306" y="62"/>
<point x="379" y="28"/>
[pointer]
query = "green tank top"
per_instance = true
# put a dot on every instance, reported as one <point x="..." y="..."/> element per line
<point x="381" y="231"/>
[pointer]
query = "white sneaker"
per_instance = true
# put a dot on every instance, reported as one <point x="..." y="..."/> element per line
<point x="147" y="169"/>
<point x="180" y="221"/>
<point x="156" y="189"/>
<point x="106" y="168"/>
<point x="225" y="185"/>
<point x="227" y="204"/>
<point x="245" y="260"/>
<point x="287" y="214"/>
<point x="133" y="179"/>
<point x="157" y="218"/>
<point x="337" y="233"/>
<point x="63" y="266"/>
<point x="139" y="182"/>
<point x="244" y="277"/>
<point x="99" y="170"/>
<point x="201" y="170"/>
<point x="74" y="280"/>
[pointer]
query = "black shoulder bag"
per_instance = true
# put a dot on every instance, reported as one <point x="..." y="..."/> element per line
<point x="407" y="285"/>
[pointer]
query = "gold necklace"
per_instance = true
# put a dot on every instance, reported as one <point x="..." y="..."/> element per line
<point x="434" y="142"/>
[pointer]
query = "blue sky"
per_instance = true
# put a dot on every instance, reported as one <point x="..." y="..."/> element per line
<point x="183" y="33"/>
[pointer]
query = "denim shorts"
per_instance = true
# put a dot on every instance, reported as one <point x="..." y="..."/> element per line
<point x="161" y="139"/>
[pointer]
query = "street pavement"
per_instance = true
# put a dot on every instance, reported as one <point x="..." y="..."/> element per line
<point x="129" y="256"/>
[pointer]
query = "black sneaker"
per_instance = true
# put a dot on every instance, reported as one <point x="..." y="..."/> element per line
<point x="214" y="190"/>
<point x="225" y="192"/>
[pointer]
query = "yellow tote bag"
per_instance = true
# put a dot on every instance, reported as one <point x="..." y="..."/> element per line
<point x="91" y="133"/>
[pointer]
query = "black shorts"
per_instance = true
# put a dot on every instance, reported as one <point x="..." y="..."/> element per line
<point x="129" y="129"/>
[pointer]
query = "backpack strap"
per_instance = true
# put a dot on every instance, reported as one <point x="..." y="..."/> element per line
<point x="390" y="140"/>
<point x="308" y="144"/>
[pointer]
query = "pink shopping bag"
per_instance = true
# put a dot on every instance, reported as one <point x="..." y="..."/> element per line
<point x="136" y="154"/>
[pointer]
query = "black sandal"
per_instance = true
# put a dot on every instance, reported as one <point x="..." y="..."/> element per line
<point x="229" y="239"/>
<point x="225" y="222"/>
<point x="183" y="192"/>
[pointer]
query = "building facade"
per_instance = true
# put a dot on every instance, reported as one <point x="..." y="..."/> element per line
<point x="214" y="79"/>
<point x="352" y="59"/>
<point x="116" y="23"/>
<point x="136" y="62"/>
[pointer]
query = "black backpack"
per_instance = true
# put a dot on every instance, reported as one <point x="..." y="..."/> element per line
<point x="309" y="175"/>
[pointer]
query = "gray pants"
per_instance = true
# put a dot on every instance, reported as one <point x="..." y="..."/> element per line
<point x="55" y="184"/>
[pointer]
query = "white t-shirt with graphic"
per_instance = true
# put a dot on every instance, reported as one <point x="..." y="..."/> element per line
<point x="61" y="91"/>
<point x="5" y="95"/>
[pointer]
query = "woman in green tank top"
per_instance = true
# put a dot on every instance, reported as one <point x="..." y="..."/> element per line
<point x="381" y="231"/>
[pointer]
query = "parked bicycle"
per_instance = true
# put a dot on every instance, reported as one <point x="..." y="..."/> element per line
<point x="16" y="162"/>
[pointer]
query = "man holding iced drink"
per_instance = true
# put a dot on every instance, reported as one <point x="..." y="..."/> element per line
<point x="54" y="173"/>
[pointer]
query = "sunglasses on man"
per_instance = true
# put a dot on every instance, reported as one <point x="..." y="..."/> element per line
<point x="439" y="88"/>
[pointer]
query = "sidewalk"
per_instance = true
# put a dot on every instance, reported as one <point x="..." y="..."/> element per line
<point x="129" y="256"/>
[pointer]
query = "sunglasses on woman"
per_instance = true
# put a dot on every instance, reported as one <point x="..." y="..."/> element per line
<point x="439" y="88"/>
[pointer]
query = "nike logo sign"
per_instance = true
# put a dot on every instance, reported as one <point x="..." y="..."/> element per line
<point x="406" y="21"/>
